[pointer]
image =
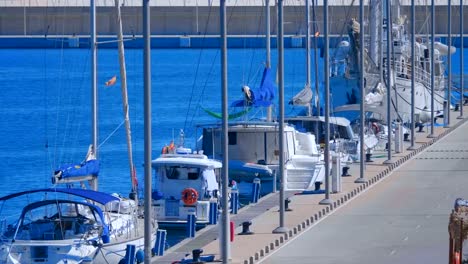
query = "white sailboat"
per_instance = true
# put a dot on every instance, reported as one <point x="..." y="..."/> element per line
<point x="57" y="226"/>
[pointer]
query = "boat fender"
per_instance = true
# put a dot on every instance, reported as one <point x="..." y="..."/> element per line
<point x="189" y="196"/>
<point x="140" y="256"/>
<point x="105" y="235"/>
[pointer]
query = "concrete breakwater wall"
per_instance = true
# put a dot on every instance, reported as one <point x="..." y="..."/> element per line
<point x="170" y="42"/>
<point x="196" y="20"/>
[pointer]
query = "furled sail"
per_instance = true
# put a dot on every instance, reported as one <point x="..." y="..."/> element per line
<point x="303" y="98"/>
<point x="78" y="171"/>
<point x="263" y="97"/>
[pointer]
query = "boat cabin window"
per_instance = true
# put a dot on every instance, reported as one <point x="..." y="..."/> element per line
<point x="182" y="173"/>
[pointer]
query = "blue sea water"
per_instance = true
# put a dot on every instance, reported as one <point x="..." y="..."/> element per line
<point x="45" y="105"/>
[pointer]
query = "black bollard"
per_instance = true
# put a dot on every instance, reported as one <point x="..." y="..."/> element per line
<point x="286" y="205"/>
<point x="368" y="157"/>
<point x="317" y="186"/>
<point x="196" y="255"/>
<point x="132" y="195"/>
<point x="245" y="228"/>
<point x="345" y="171"/>
<point x="420" y="126"/>
<point x="406" y="137"/>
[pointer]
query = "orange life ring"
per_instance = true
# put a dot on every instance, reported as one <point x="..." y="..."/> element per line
<point x="189" y="196"/>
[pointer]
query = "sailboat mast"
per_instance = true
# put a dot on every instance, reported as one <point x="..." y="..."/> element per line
<point x="94" y="107"/>
<point x="123" y="80"/>
<point x="307" y="15"/>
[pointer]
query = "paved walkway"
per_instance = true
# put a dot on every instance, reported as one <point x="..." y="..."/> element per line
<point x="403" y="219"/>
<point x="306" y="210"/>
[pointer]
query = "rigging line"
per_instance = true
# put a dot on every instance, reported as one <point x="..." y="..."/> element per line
<point x="314" y="18"/>
<point x="71" y="132"/>
<point x="244" y="42"/>
<point x="198" y="65"/>
<point x="60" y="83"/>
<point x="48" y="160"/>
<point x="211" y="69"/>
<point x="253" y="50"/>
<point x="111" y="134"/>
<point x="348" y="14"/>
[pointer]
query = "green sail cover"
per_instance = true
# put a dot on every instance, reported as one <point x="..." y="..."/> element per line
<point x="230" y="116"/>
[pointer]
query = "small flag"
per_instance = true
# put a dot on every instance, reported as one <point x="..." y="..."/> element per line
<point x="111" y="81"/>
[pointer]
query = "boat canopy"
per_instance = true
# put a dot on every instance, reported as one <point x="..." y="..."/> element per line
<point x="105" y="231"/>
<point x="263" y="97"/>
<point x="100" y="197"/>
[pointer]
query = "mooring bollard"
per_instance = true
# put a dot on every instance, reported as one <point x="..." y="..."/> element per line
<point x="286" y="205"/>
<point x="345" y="172"/>
<point x="317" y="185"/>
<point x="256" y="190"/>
<point x="196" y="255"/>
<point x="369" y="156"/>
<point x="191" y="224"/>
<point x="245" y="228"/>
<point x="406" y="137"/>
<point x="159" y="248"/>
<point x="213" y="217"/>
<point x="234" y="201"/>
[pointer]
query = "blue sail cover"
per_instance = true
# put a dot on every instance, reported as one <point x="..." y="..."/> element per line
<point x="90" y="167"/>
<point x="264" y="96"/>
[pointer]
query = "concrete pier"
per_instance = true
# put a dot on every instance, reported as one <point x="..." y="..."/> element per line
<point x="308" y="213"/>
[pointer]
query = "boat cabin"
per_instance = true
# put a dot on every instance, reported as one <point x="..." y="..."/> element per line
<point x="185" y="182"/>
